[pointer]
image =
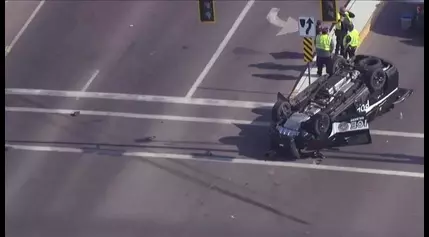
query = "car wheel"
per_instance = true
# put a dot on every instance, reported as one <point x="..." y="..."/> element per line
<point x="338" y="63"/>
<point x="376" y="79"/>
<point x="369" y="63"/>
<point x="281" y="110"/>
<point x="322" y="124"/>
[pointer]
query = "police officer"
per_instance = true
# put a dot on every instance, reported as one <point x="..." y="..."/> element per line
<point x="324" y="47"/>
<point x="343" y="19"/>
<point x="351" y="42"/>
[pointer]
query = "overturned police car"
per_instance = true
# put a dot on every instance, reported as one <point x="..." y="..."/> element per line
<point x="336" y="109"/>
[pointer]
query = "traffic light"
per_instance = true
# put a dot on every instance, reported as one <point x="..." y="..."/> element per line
<point x="329" y="10"/>
<point x="206" y="10"/>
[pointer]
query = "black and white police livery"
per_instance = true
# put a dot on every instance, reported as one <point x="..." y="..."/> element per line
<point x="335" y="110"/>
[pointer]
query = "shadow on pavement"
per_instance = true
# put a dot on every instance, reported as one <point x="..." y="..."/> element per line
<point x="276" y="77"/>
<point x="387" y="21"/>
<point x="253" y="141"/>
<point x="276" y="66"/>
<point x="287" y="55"/>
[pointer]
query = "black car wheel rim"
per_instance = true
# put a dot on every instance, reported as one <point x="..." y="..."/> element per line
<point x="323" y="124"/>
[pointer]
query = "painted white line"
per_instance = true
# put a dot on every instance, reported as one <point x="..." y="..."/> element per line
<point x="286" y="27"/>
<point x="88" y="83"/>
<point x="137" y="116"/>
<point x="220" y="48"/>
<point x="94" y="75"/>
<point x="181" y="119"/>
<point x="16" y="38"/>
<point x="220" y="159"/>
<point x="397" y="134"/>
<point x="135" y="97"/>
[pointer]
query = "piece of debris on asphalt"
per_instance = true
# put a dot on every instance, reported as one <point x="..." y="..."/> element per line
<point x="401" y="116"/>
<point x="232" y="217"/>
<point x="146" y="139"/>
<point x="387" y="141"/>
<point x="131" y="25"/>
<point x="75" y="113"/>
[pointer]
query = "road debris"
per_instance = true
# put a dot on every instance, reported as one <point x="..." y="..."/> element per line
<point x="75" y="113"/>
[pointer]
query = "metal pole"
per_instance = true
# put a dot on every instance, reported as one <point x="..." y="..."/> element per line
<point x="309" y="78"/>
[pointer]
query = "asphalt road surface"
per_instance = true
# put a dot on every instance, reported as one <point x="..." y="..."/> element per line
<point x="103" y="172"/>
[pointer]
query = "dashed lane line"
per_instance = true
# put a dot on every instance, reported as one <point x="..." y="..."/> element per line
<point x="24" y="27"/>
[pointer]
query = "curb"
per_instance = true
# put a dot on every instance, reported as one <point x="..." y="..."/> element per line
<point x="367" y="28"/>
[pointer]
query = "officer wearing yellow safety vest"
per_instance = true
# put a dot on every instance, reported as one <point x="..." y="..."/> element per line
<point x="343" y="20"/>
<point x="324" y="48"/>
<point x="351" y="42"/>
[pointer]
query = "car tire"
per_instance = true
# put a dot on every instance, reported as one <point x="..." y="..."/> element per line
<point x="369" y="63"/>
<point x="338" y="62"/>
<point x="376" y="79"/>
<point x="281" y="109"/>
<point x="321" y="124"/>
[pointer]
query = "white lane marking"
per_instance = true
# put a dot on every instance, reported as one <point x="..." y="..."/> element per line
<point x="397" y="134"/>
<point x="220" y="49"/>
<point x="182" y="119"/>
<point x="137" y="116"/>
<point x="286" y="27"/>
<point x="88" y="83"/>
<point x="221" y="159"/>
<point x="24" y="27"/>
<point x="135" y="97"/>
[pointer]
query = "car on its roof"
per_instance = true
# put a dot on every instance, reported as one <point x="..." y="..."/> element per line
<point x="336" y="109"/>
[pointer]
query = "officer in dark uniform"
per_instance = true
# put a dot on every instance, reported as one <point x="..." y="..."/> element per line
<point x="343" y="20"/>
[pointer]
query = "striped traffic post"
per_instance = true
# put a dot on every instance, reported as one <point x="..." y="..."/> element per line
<point x="308" y="54"/>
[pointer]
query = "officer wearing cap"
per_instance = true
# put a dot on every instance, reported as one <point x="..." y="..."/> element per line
<point x="343" y="20"/>
<point x="324" y="47"/>
<point x="351" y="42"/>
